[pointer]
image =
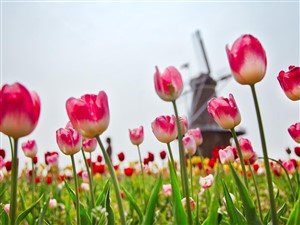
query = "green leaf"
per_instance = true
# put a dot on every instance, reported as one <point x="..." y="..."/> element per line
<point x="149" y="215"/>
<point x="109" y="210"/>
<point x="85" y="219"/>
<point x="27" y="211"/>
<point x="234" y="215"/>
<point x="212" y="217"/>
<point x="180" y="216"/>
<point x="43" y="212"/>
<point x="248" y="204"/>
<point x="101" y="197"/>
<point x="133" y="203"/>
<point x="294" y="218"/>
<point x="4" y="217"/>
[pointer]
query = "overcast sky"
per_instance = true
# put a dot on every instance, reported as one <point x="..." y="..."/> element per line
<point x="66" y="49"/>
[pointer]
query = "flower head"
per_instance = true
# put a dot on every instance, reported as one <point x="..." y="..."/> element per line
<point x="189" y="145"/>
<point x="164" y="128"/>
<point x="167" y="189"/>
<point x="121" y="156"/>
<point x="169" y="84"/>
<point x="184" y="126"/>
<point x="89" y="114"/>
<point x="192" y="203"/>
<point x="226" y="155"/>
<point x="69" y="140"/>
<point x="247" y="60"/>
<point x="29" y="148"/>
<point x="246" y="149"/>
<point x="136" y="135"/>
<point x="224" y="111"/>
<point x="197" y="135"/>
<point x="89" y="144"/>
<point x="206" y="182"/>
<point x="20" y="110"/>
<point x="294" y="131"/>
<point x="290" y="82"/>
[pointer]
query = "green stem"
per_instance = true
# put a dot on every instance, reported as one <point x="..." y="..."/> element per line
<point x="114" y="181"/>
<point x="266" y="157"/>
<point x="183" y="171"/>
<point x="76" y="190"/>
<point x="171" y="155"/>
<point x="256" y="191"/>
<point x="142" y="171"/>
<point x="90" y="179"/>
<point x="11" y="146"/>
<point x="14" y="183"/>
<point x="191" y="175"/>
<point x="240" y="156"/>
<point x="33" y="184"/>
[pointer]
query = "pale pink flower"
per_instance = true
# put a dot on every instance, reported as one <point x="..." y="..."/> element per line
<point x="183" y="124"/>
<point x="289" y="166"/>
<point x="224" y="111"/>
<point x="89" y="114"/>
<point x="192" y="203"/>
<point x="85" y="186"/>
<point x="164" y="128"/>
<point x="2" y="162"/>
<point x="197" y="135"/>
<point x="290" y="82"/>
<point x="167" y="189"/>
<point x="7" y="208"/>
<point x="29" y="148"/>
<point x="136" y="135"/>
<point x="246" y="148"/>
<point x="85" y="177"/>
<point x="52" y="203"/>
<point x="206" y="182"/>
<point x="247" y="59"/>
<point x="226" y="155"/>
<point x="89" y="144"/>
<point x="169" y="84"/>
<point x="189" y="145"/>
<point x="20" y="110"/>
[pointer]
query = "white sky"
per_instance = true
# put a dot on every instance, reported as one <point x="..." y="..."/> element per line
<point x="64" y="49"/>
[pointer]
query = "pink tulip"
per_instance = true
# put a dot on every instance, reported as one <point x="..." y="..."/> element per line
<point x="2" y="163"/>
<point x="89" y="114"/>
<point x="247" y="59"/>
<point x="294" y="131"/>
<point x="246" y="149"/>
<point x="289" y="166"/>
<point x="167" y="189"/>
<point x="89" y="144"/>
<point x="206" y="182"/>
<point x="189" y="145"/>
<point x="164" y="128"/>
<point x="226" y="155"/>
<point x="224" y="111"/>
<point x="85" y="177"/>
<point x="20" y="110"/>
<point x="69" y="140"/>
<point x="136" y="135"/>
<point x="183" y="124"/>
<point x="29" y="148"/>
<point x="168" y="85"/>
<point x="1" y="176"/>
<point x="52" y="203"/>
<point x="192" y="203"/>
<point x="7" y="208"/>
<point x="197" y="135"/>
<point x="290" y="82"/>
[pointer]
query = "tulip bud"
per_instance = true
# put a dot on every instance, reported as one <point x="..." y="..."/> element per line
<point x="290" y="82"/>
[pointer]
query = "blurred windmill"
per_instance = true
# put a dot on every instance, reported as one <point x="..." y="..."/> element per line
<point x="203" y="88"/>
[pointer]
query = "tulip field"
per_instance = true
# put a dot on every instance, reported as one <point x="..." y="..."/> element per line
<point x="235" y="186"/>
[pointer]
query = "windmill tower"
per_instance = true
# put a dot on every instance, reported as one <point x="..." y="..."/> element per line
<point x="203" y="88"/>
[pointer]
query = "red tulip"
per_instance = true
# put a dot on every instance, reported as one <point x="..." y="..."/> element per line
<point x="128" y="171"/>
<point x="247" y="59"/>
<point x="20" y="110"/>
<point x="2" y="153"/>
<point x="98" y="168"/>
<point x="163" y="154"/>
<point x="168" y="85"/>
<point x="150" y="157"/>
<point x="35" y="160"/>
<point x="89" y="144"/>
<point x="146" y="161"/>
<point x="89" y="114"/>
<point x="290" y="82"/>
<point x="297" y="151"/>
<point x="136" y="135"/>
<point x="29" y="148"/>
<point x="294" y="131"/>
<point x="69" y="140"/>
<point x="197" y="135"/>
<point x="121" y="156"/>
<point x="8" y="166"/>
<point x="224" y="111"/>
